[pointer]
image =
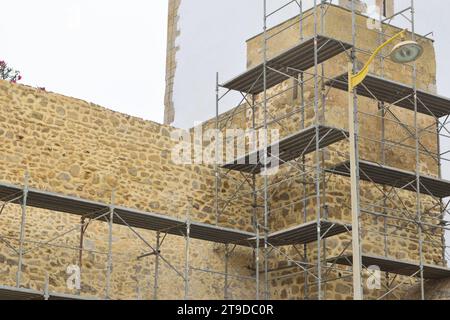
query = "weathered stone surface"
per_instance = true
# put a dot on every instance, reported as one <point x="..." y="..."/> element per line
<point x="105" y="151"/>
<point x="434" y="290"/>
<point x="380" y="236"/>
<point x="78" y="148"/>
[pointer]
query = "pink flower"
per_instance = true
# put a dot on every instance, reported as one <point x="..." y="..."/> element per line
<point x="19" y="78"/>
<point x="13" y="81"/>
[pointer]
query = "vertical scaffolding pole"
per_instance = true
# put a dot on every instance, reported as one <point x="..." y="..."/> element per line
<point x="381" y="37"/>
<point x="225" y="287"/>
<point x="255" y="206"/>
<point x="216" y="158"/>
<point x="302" y="126"/>
<point x="322" y="67"/>
<point x="158" y="248"/>
<point x="354" y="171"/>
<point x="186" y="253"/>
<point x="301" y="21"/>
<point x="82" y="231"/>
<point x="318" y="159"/>
<point x="382" y="108"/>
<point x="266" y="178"/>
<point x="257" y="253"/>
<point x="305" y="190"/>
<point x="22" y="230"/>
<point x="322" y="120"/>
<point x="110" y="240"/>
<point x="46" y="290"/>
<point x="417" y="155"/>
<point x="441" y="201"/>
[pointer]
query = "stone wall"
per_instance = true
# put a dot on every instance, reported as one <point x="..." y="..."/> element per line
<point x="434" y="290"/>
<point x="288" y="189"/>
<point x="77" y="148"/>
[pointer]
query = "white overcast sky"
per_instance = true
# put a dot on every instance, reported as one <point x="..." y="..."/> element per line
<point x="110" y="52"/>
<point x="213" y="34"/>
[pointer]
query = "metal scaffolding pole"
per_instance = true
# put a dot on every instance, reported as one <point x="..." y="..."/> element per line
<point x="302" y="126"/>
<point x="157" y="251"/>
<point x="110" y="241"/>
<point x="382" y="108"/>
<point x="301" y="20"/>
<point x="354" y="171"/>
<point x="187" y="253"/>
<point x="216" y="156"/>
<point x="225" y="286"/>
<point x="82" y="232"/>
<point x="417" y="167"/>
<point x="255" y="207"/>
<point x="317" y="158"/>
<point x="322" y="120"/>
<point x="22" y="230"/>
<point x="441" y="202"/>
<point x="265" y="159"/>
<point x="46" y="290"/>
<point x="257" y="253"/>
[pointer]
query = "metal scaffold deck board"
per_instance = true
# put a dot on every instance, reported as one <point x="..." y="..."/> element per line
<point x="396" y="266"/>
<point x="397" y="178"/>
<point x="11" y="293"/>
<point x="132" y="217"/>
<point x="64" y="296"/>
<point x="299" y="57"/>
<point x="396" y="93"/>
<point x="14" y="293"/>
<point x="305" y="233"/>
<point x="289" y="148"/>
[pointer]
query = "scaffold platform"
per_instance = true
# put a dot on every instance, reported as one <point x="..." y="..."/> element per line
<point x="14" y="293"/>
<point x="396" y="266"/>
<point x="396" y="93"/>
<point x="305" y="233"/>
<point x="402" y="179"/>
<point x="125" y="216"/>
<point x="288" y="64"/>
<point x="289" y="148"/>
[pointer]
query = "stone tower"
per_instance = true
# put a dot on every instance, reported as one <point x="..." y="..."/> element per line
<point x="360" y="6"/>
<point x="386" y="6"/>
<point x="76" y="148"/>
<point x="172" y="34"/>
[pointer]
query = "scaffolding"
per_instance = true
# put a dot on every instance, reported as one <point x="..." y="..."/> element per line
<point x="112" y="214"/>
<point x="250" y="173"/>
<point x="303" y="154"/>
